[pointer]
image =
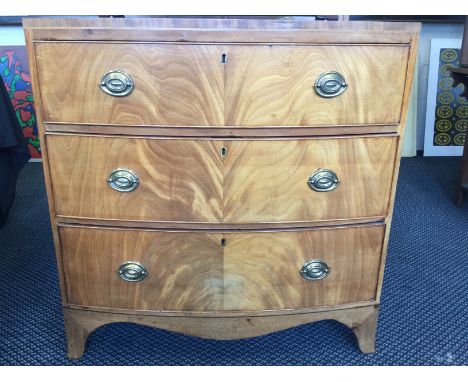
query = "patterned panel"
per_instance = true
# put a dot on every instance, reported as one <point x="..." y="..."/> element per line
<point x="14" y="70"/>
<point x="451" y="120"/>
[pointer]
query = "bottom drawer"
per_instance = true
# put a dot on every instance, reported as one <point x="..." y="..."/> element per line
<point x="200" y="271"/>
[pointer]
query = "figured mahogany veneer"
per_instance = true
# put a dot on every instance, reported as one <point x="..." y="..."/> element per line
<point x="225" y="271"/>
<point x="180" y="180"/>
<point x="257" y="181"/>
<point x="188" y="84"/>
<point x="278" y="89"/>
<point x="223" y="128"/>
<point x="174" y="84"/>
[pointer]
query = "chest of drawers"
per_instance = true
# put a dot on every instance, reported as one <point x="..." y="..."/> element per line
<point x="220" y="178"/>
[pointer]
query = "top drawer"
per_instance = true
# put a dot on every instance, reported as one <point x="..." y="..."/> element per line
<point x="222" y="85"/>
<point x="173" y="84"/>
<point x="280" y="85"/>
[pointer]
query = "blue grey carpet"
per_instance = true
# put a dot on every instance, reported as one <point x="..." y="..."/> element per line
<point x="424" y="311"/>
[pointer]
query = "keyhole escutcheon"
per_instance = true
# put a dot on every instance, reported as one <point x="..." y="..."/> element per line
<point x="223" y="152"/>
<point x="224" y="58"/>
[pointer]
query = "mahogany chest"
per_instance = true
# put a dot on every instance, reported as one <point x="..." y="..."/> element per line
<point x="220" y="178"/>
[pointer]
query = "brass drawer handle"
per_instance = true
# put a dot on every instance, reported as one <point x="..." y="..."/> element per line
<point x="116" y="83"/>
<point x="123" y="180"/>
<point x="323" y="180"/>
<point x="132" y="271"/>
<point x="330" y="84"/>
<point x="315" y="270"/>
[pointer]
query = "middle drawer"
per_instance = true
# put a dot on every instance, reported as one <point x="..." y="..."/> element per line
<point x="213" y="181"/>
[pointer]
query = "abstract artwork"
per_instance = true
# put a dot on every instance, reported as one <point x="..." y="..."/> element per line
<point x="14" y="70"/>
<point x="447" y="111"/>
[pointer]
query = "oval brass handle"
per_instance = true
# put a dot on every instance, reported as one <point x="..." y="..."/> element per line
<point x="330" y="84"/>
<point x="315" y="270"/>
<point x="123" y="180"/>
<point x="132" y="271"/>
<point x="116" y="83"/>
<point x="323" y="180"/>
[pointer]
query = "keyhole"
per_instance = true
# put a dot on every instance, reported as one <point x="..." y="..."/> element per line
<point x="223" y="152"/>
<point x="223" y="58"/>
<point x="223" y="242"/>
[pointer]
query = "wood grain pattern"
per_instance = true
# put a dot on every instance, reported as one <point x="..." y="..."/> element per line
<point x="45" y="159"/>
<point x="251" y="198"/>
<point x="274" y="86"/>
<point x="179" y="180"/>
<point x="365" y="332"/>
<point x="174" y="84"/>
<point x="81" y="323"/>
<point x="266" y="181"/>
<point x="221" y="132"/>
<point x="195" y="271"/>
<point x="185" y="269"/>
<point x="223" y="313"/>
<point x="261" y="270"/>
<point x="188" y="85"/>
<point x="177" y="226"/>
<point x="214" y="24"/>
<point x="258" y="181"/>
<point x="231" y="30"/>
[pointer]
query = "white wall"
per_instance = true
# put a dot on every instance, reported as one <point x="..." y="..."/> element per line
<point x="11" y="35"/>
<point x="428" y="32"/>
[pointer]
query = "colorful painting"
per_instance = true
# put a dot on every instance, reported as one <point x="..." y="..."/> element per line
<point x="14" y="70"/>
<point x="447" y="112"/>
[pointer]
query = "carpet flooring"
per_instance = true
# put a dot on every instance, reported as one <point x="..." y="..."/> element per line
<point x="423" y="317"/>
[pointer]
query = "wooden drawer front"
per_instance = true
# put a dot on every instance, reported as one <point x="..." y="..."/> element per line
<point x="262" y="270"/>
<point x="274" y="85"/>
<point x="185" y="270"/>
<point x="259" y="181"/>
<point x="179" y="180"/>
<point x="174" y="84"/>
<point x="194" y="271"/>
<point x="267" y="181"/>
<point x="188" y="85"/>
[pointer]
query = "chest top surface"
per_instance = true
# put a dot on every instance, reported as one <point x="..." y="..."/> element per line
<point x="207" y="30"/>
